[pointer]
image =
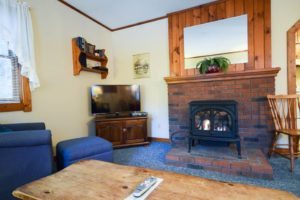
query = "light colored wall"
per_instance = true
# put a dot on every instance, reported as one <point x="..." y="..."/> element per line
<point x="284" y="15"/>
<point x="148" y="38"/>
<point x="298" y="79"/>
<point x="298" y="47"/>
<point x="62" y="100"/>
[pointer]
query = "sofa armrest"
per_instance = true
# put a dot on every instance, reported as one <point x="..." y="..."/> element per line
<point x="26" y="126"/>
<point x="25" y="138"/>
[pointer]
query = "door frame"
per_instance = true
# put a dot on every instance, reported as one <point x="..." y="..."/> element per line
<point x="291" y="57"/>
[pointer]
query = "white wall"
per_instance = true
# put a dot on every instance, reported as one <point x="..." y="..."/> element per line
<point x="284" y="15"/>
<point x="298" y="79"/>
<point x="62" y="100"/>
<point x="148" y="38"/>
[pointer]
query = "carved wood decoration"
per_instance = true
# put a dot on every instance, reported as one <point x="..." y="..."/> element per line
<point x="291" y="54"/>
<point x="259" y="32"/>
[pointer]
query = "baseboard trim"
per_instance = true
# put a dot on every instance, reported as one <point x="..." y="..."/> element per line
<point x="155" y="139"/>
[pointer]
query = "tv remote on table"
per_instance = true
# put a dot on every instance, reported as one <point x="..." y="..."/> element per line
<point x="144" y="186"/>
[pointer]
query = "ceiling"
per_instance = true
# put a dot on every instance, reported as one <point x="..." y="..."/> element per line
<point x="120" y="13"/>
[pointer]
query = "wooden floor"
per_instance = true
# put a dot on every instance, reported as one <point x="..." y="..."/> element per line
<point x="100" y="180"/>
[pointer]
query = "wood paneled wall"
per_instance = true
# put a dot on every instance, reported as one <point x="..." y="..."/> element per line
<point x="259" y="32"/>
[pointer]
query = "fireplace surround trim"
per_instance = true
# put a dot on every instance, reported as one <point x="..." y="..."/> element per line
<point x="258" y="73"/>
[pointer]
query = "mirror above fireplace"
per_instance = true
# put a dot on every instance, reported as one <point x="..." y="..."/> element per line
<point x="227" y="37"/>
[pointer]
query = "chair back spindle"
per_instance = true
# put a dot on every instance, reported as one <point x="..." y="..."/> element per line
<point x="284" y="110"/>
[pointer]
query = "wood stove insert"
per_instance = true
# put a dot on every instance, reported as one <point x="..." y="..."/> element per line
<point x="214" y="121"/>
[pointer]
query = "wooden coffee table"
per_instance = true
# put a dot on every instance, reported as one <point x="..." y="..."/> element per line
<point x="101" y="180"/>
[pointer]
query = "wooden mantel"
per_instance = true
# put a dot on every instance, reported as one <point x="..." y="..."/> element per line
<point x="249" y="74"/>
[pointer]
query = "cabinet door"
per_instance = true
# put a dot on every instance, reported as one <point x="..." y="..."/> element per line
<point x="111" y="131"/>
<point x="136" y="131"/>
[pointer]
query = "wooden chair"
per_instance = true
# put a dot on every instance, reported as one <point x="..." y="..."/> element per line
<point x="285" y="109"/>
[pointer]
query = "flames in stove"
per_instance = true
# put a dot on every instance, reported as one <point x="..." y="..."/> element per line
<point x="217" y="121"/>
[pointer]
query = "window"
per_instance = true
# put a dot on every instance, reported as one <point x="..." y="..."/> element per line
<point x="10" y="86"/>
<point x="17" y="60"/>
<point x="13" y="95"/>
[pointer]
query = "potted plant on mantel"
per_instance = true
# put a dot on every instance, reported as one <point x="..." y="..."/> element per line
<point x="213" y="65"/>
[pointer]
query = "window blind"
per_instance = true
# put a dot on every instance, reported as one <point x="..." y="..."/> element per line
<point x="9" y="79"/>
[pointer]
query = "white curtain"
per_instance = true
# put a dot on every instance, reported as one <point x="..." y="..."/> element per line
<point x="16" y="33"/>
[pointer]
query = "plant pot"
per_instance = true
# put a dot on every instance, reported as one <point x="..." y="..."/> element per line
<point x="213" y="69"/>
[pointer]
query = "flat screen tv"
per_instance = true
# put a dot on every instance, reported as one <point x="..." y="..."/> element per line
<point x="112" y="99"/>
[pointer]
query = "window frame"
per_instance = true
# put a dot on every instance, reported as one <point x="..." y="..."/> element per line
<point x="25" y="98"/>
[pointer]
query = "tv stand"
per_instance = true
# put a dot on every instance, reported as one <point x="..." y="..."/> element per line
<point x="122" y="131"/>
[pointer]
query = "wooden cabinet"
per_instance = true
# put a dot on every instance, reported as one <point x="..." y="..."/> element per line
<point x="111" y="131"/>
<point x="122" y="132"/>
<point x="79" y="55"/>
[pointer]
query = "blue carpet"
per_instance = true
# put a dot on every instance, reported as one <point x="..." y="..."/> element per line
<point x="153" y="156"/>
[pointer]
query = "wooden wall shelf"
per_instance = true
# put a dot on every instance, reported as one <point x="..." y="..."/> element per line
<point x="96" y="58"/>
<point x="92" y="70"/>
<point x="250" y="74"/>
<point x="78" y="67"/>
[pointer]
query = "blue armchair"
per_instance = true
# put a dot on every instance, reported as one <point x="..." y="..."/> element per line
<point x="25" y="155"/>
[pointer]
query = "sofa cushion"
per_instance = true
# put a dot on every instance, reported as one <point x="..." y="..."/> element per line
<point x="26" y="126"/>
<point x="25" y="138"/>
<point x="4" y="129"/>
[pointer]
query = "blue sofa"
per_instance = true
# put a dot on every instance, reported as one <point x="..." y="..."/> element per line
<point x="25" y="155"/>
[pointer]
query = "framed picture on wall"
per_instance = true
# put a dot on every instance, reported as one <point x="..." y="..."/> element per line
<point x="141" y="65"/>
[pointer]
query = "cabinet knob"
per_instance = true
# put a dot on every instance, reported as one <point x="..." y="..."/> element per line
<point x="124" y="129"/>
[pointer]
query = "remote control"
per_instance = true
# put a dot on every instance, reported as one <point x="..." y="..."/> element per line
<point x="144" y="186"/>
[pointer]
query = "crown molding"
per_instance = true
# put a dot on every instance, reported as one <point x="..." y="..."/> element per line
<point x="84" y="14"/>
<point x="106" y="27"/>
<point x="140" y="23"/>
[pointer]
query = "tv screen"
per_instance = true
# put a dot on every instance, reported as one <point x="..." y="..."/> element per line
<point x="115" y="98"/>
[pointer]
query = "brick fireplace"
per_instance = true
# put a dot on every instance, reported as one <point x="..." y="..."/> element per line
<point x="249" y="90"/>
<point x="246" y="83"/>
<point x="255" y="120"/>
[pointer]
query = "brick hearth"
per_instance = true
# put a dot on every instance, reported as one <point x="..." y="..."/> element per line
<point x="222" y="159"/>
<point x="254" y="117"/>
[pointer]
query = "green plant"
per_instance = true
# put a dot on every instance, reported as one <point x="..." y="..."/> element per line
<point x="212" y="65"/>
